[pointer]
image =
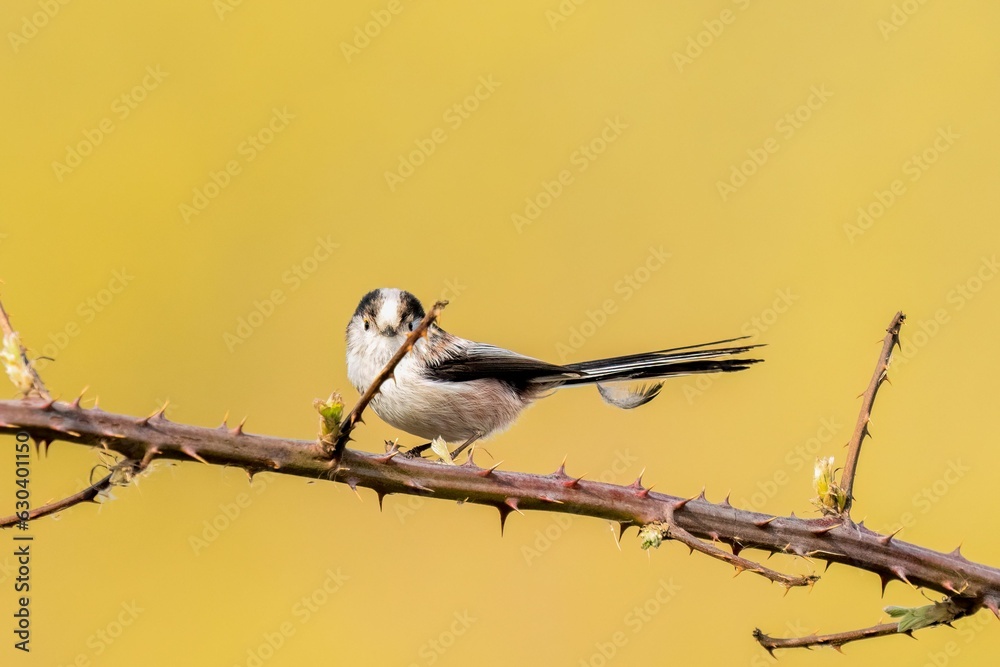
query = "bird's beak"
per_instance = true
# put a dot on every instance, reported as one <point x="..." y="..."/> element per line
<point x="388" y="331"/>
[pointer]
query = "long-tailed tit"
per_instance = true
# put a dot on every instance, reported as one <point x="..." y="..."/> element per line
<point x="460" y="391"/>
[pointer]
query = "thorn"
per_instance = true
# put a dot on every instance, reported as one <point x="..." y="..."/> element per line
<point x="274" y="464"/>
<point x="76" y="403"/>
<point x="512" y="503"/>
<point x="885" y="579"/>
<point x="353" y="483"/>
<point x="899" y="572"/>
<point x="504" y="512"/>
<point x="991" y="604"/>
<point x="637" y="484"/>
<point x="238" y="430"/>
<point x="739" y="570"/>
<point x="957" y="553"/>
<point x="225" y="418"/>
<point x="886" y="539"/>
<point x="622" y="527"/>
<point x="736" y="547"/>
<point x="418" y="486"/>
<point x="469" y="462"/>
<point x="159" y="414"/>
<point x="381" y="497"/>
<point x="725" y="501"/>
<point x="763" y="523"/>
<point x="573" y="483"/>
<point x="387" y="457"/>
<point x="250" y="473"/>
<point x="701" y="496"/>
<point x="714" y="536"/>
<point x="644" y="493"/>
<point x="47" y="405"/>
<point x="679" y="504"/>
<point x="486" y="472"/>
<point x="950" y="586"/>
<point x="148" y="456"/>
<point x="561" y="472"/>
<point x="828" y="564"/>
<point x="187" y="449"/>
<point x="823" y="530"/>
<point x="547" y="499"/>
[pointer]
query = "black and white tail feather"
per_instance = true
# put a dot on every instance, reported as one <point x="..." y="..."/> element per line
<point x="460" y="390"/>
<point x="533" y="377"/>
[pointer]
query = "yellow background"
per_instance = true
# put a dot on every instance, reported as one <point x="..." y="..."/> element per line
<point x="778" y="259"/>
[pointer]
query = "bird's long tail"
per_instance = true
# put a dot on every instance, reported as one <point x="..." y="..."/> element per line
<point x="688" y="360"/>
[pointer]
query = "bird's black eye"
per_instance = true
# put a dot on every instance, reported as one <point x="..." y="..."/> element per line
<point x="366" y="325"/>
<point x="411" y="325"/>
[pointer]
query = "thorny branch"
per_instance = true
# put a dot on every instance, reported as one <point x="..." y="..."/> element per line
<point x="941" y="613"/>
<point x="696" y="522"/>
<point x="861" y="429"/>
<point x="120" y="474"/>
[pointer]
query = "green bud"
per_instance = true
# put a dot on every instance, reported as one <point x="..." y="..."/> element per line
<point x="331" y="411"/>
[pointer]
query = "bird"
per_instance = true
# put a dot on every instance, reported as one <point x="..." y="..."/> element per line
<point x="462" y="391"/>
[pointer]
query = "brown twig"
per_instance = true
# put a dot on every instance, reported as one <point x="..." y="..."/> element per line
<point x="834" y="640"/>
<point x="37" y="386"/>
<point x="83" y="496"/>
<point x="950" y="610"/>
<point x="354" y="416"/>
<point x="864" y="417"/>
<point x="670" y="530"/>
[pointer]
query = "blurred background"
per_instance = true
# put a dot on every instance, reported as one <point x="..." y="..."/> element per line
<point x="195" y="195"/>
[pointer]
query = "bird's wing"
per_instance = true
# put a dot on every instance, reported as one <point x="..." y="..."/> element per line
<point x="477" y="361"/>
